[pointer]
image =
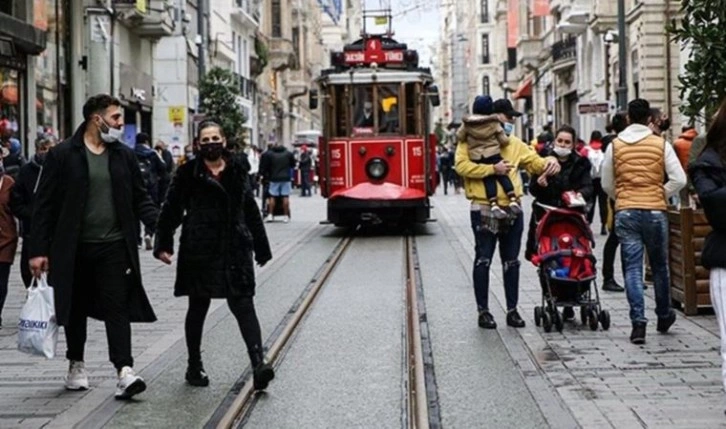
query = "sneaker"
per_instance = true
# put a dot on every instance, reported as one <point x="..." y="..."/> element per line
<point x="664" y="323"/>
<point x="268" y="218"/>
<point x="77" y="378"/>
<point x="498" y="212"/>
<point x="129" y="384"/>
<point x="611" y="285"/>
<point x="637" y="335"/>
<point x="486" y="320"/>
<point x="515" y="207"/>
<point x="263" y="375"/>
<point x="286" y="219"/>
<point x="147" y="241"/>
<point x="196" y="376"/>
<point x="514" y="319"/>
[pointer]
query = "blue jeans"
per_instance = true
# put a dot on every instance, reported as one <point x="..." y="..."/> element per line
<point x="640" y="230"/>
<point x="510" y="243"/>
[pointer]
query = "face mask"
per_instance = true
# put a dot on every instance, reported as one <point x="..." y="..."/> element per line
<point x="562" y="152"/>
<point x="211" y="151"/>
<point x="110" y="135"/>
<point x="40" y="157"/>
<point x="508" y="128"/>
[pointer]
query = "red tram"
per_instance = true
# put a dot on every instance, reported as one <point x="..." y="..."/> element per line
<point x="377" y="155"/>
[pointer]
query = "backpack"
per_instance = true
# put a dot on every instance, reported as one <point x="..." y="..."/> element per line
<point x="596" y="158"/>
<point x="146" y="171"/>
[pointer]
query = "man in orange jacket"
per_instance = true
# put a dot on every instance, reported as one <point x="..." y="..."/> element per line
<point x="683" y="144"/>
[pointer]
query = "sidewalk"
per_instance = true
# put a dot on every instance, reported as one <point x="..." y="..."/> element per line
<point x="32" y="393"/>
<point x="673" y="380"/>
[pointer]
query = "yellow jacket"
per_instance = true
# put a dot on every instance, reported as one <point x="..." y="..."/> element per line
<point x="516" y="152"/>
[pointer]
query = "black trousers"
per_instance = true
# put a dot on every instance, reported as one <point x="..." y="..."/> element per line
<point x="608" y="256"/>
<point x="243" y="309"/>
<point x="601" y="200"/>
<point x="102" y="282"/>
<point x="4" y="276"/>
<point x="25" y="273"/>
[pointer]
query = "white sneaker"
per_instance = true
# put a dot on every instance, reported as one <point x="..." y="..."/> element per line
<point x="498" y="212"/>
<point x="129" y="384"/>
<point x="268" y="218"/>
<point x="77" y="378"/>
<point x="286" y="219"/>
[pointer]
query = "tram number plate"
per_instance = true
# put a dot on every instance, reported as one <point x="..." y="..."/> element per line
<point x="417" y="151"/>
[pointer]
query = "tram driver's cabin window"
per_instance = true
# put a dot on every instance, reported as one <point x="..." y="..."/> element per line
<point x="375" y="109"/>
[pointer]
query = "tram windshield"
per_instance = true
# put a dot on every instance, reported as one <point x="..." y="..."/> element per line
<point x="375" y="109"/>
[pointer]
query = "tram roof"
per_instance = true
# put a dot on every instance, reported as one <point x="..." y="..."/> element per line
<point x="366" y="75"/>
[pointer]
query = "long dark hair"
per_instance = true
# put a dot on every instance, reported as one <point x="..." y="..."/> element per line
<point x="716" y="137"/>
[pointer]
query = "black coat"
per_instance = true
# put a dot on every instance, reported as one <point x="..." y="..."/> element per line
<point x="58" y="213"/>
<point x="22" y="197"/>
<point x="221" y="228"/>
<point x="574" y="176"/>
<point x="708" y="175"/>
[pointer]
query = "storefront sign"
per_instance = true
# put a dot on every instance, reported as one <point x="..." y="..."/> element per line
<point x="135" y="86"/>
<point x="177" y="114"/>
<point x="602" y="108"/>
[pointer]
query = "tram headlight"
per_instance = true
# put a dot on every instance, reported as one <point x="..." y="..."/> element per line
<point x="377" y="168"/>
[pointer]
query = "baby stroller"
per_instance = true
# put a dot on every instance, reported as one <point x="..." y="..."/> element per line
<point x="566" y="270"/>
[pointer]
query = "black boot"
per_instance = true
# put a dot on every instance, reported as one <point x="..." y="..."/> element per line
<point x="263" y="372"/>
<point x="514" y="319"/>
<point x="611" y="285"/>
<point x="196" y="376"/>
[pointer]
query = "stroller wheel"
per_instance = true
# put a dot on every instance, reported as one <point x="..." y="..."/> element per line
<point x="537" y="315"/>
<point x="605" y="319"/>
<point x="592" y="316"/>
<point x="546" y="322"/>
<point x="583" y="315"/>
<point x="559" y="321"/>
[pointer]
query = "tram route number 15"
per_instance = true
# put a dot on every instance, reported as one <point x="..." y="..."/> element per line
<point x="417" y="151"/>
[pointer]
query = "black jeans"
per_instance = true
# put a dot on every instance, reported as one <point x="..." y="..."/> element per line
<point x="305" y="183"/>
<point x="243" y="309"/>
<point x="608" y="256"/>
<point x="509" y="245"/>
<point x="490" y="182"/>
<point x="102" y="282"/>
<point x="601" y="200"/>
<point x="4" y="276"/>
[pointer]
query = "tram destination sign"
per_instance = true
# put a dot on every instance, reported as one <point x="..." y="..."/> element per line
<point x="374" y="52"/>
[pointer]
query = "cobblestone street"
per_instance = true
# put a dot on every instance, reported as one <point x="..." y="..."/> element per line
<point x="575" y="378"/>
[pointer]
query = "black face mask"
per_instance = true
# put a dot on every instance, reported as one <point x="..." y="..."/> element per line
<point x="211" y="151"/>
<point x="40" y="158"/>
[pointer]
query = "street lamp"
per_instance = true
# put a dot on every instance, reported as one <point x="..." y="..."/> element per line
<point x="622" y="95"/>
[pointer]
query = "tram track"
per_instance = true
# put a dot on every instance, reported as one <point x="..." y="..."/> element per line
<point x="420" y="407"/>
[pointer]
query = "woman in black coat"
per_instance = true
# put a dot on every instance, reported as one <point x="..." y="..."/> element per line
<point x="708" y="175"/>
<point x="221" y="224"/>
<point x="547" y="190"/>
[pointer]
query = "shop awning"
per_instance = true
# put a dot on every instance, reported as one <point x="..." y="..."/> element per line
<point x="524" y="90"/>
<point x="26" y="38"/>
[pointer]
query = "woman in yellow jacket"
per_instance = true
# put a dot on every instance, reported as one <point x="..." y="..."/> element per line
<point x="487" y="228"/>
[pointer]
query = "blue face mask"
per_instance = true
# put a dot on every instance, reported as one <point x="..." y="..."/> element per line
<point x="508" y="128"/>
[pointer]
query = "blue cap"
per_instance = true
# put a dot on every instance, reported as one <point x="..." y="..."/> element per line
<point x="483" y="105"/>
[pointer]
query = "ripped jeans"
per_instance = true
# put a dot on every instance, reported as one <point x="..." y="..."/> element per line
<point x="510" y="243"/>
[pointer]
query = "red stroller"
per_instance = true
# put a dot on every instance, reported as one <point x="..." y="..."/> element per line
<point x="567" y="270"/>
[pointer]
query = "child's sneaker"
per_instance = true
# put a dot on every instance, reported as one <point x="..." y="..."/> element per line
<point x="498" y="212"/>
<point x="515" y="207"/>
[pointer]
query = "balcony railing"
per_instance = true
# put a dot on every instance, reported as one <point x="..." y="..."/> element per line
<point x="247" y="87"/>
<point x="564" y="49"/>
<point x="251" y="7"/>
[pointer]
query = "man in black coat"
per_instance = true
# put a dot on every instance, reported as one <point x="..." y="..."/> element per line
<point x="22" y="197"/>
<point x="275" y="167"/>
<point x="89" y="200"/>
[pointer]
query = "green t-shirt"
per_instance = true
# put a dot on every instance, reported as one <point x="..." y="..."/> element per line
<point x="100" y="223"/>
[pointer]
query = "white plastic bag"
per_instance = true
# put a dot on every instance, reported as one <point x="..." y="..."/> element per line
<point x="37" y="328"/>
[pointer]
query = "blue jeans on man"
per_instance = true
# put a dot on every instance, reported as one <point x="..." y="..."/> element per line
<point x="642" y="231"/>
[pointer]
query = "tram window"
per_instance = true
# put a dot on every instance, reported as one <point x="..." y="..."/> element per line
<point x="390" y="121"/>
<point x="364" y="110"/>
<point x="340" y="113"/>
<point x="412" y="103"/>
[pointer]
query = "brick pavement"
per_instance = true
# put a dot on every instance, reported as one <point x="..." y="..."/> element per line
<point x="673" y="380"/>
<point x="31" y="388"/>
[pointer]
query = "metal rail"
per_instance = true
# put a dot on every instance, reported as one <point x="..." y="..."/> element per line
<point x="242" y="402"/>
